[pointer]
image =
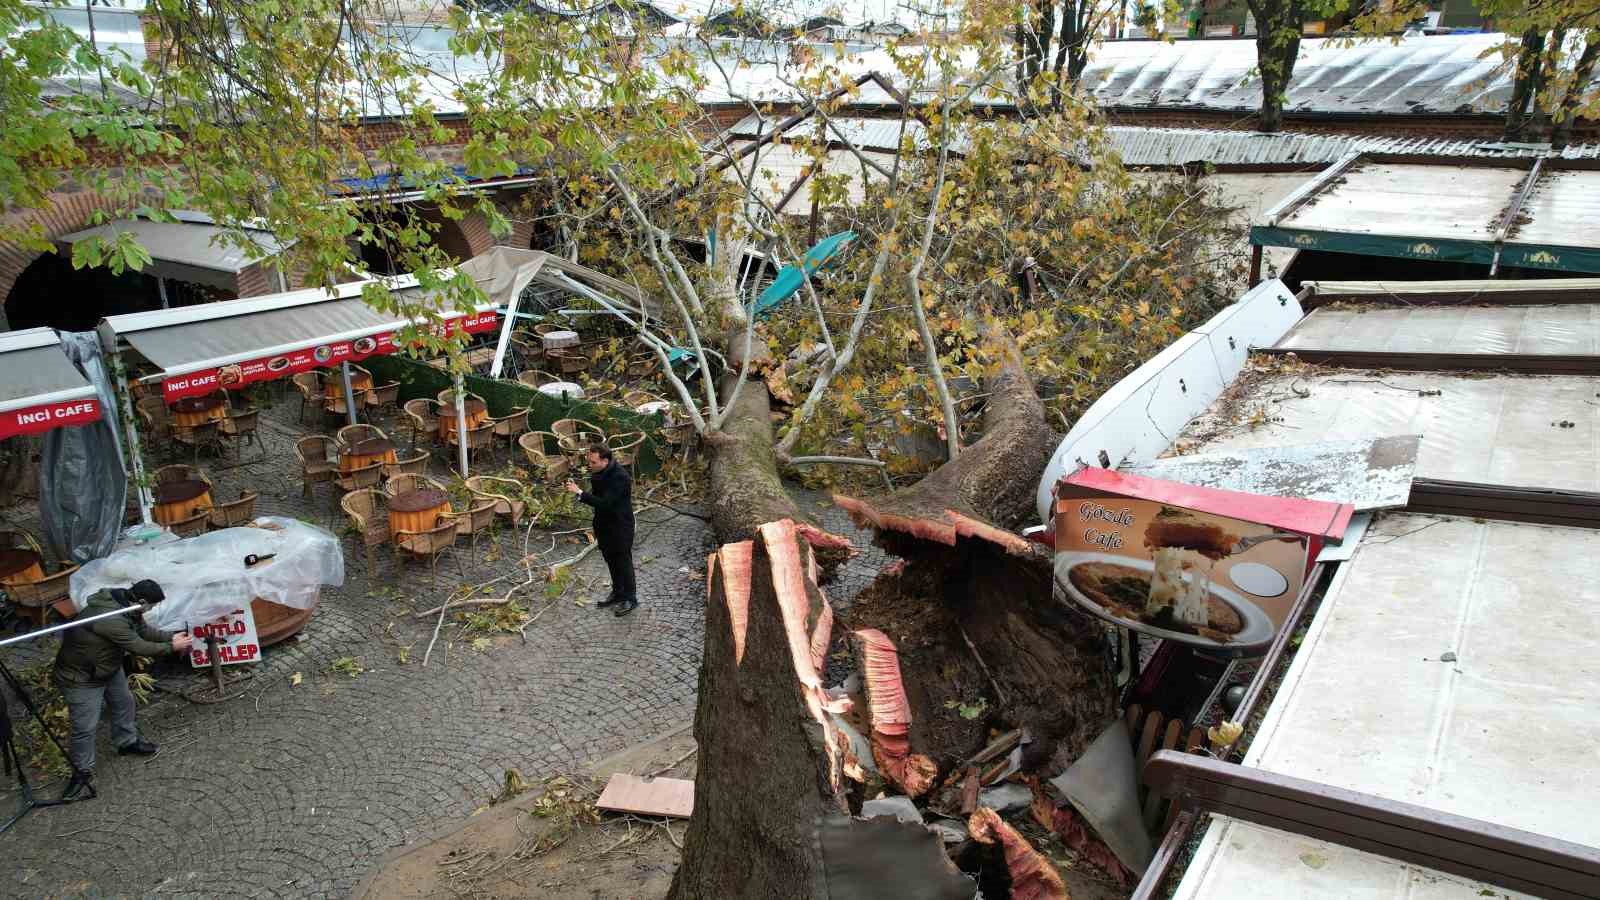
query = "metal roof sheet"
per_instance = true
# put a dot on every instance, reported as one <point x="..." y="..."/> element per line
<point x="1176" y="146"/>
<point x="1434" y="201"/>
<point x="1368" y="705"/>
<point x="1566" y="329"/>
<point x="199" y="245"/>
<point x="1500" y="430"/>
<point x="1416" y="75"/>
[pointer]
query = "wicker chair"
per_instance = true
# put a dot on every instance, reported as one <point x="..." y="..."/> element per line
<point x="480" y="439"/>
<point x="430" y="544"/>
<point x="447" y="398"/>
<point x="309" y="386"/>
<point x="416" y="464"/>
<point x="424" y="421"/>
<point x="636" y="399"/>
<point x="232" y="515"/>
<point x="180" y="472"/>
<point x="382" y="397"/>
<point x="34" y="599"/>
<point x="503" y="492"/>
<point x="368" y="476"/>
<point x="530" y="352"/>
<point x="625" y="447"/>
<point x="355" y="434"/>
<point x="194" y="526"/>
<point x="536" y="379"/>
<point x="367" y="510"/>
<point x="642" y="365"/>
<point x="474" y="521"/>
<point x="551" y="465"/>
<point x="315" y="452"/>
<point x="241" y="429"/>
<point x="573" y="429"/>
<point x="198" y="437"/>
<point x="568" y="360"/>
<point x="405" y="484"/>
<point x="509" y="427"/>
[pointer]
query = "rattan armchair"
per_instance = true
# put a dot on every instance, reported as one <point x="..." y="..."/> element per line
<point x="424" y="421"/>
<point x="430" y="544"/>
<point x="479" y="439"/>
<point x="536" y="379"/>
<point x="367" y="476"/>
<point x="309" y="386"/>
<point x="194" y="526"/>
<point x="355" y="434"/>
<point x="315" y="452"/>
<point x="405" y="484"/>
<point x="550" y="464"/>
<point x="155" y="419"/>
<point x="34" y="599"/>
<point x="180" y="472"/>
<point x="625" y="447"/>
<point x="232" y="515"/>
<point x="198" y="437"/>
<point x="503" y="492"/>
<point x="20" y="540"/>
<point x="241" y="429"/>
<point x="474" y="521"/>
<point x="383" y="396"/>
<point x="415" y="464"/>
<point x="511" y="426"/>
<point x="367" y="510"/>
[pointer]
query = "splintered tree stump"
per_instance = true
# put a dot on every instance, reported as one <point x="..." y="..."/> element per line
<point x="982" y="641"/>
<point x="769" y="768"/>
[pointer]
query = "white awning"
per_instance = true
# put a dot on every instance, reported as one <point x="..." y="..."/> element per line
<point x="191" y="250"/>
<point x="40" y="388"/>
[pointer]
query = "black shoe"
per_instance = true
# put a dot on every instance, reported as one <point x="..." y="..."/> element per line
<point x="627" y="606"/>
<point x="609" y="601"/>
<point x="140" y="747"/>
<point x="81" y="787"/>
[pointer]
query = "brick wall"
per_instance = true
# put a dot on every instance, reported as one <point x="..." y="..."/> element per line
<point x="68" y="210"/>
<point x="257" y="279"/>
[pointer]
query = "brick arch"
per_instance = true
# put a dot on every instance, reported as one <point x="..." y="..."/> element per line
<point x="66" y="211"/>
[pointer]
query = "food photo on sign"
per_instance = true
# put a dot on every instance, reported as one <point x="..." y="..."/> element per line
<point x="1219" y="570"/>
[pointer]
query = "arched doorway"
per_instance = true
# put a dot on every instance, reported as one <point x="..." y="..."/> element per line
<point x="51" y="293"/>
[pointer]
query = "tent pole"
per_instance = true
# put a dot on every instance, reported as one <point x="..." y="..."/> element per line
<point x="349" y="395"/>
<point x="161" y="287"/>
<point x="461" y="423"/>
<point x="505" y="335"/>
<point x="130" y="430"/>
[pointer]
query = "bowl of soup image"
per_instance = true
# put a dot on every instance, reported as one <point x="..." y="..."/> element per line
<point x="1116" y="587"/>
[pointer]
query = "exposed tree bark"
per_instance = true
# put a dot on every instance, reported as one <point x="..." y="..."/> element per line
<point x="1278" y="26"/>
<point x="1572" y="101"/>
<point x="1526" y="84"/>
<point x="972" y="611"/>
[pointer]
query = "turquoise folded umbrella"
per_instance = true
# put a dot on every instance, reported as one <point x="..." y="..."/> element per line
<point x="790" y="278"/>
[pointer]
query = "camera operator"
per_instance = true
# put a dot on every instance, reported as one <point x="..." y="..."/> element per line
<point x="89" y="672"/>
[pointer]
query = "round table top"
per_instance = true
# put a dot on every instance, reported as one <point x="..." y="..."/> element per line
<point x="561" y="389"/>
<point x="417" y="501"/>
<point x="16" y="559"/>
<point x="653" y="407"/>
<point x="368" y="447"/>
<point x="179" y="491"/>
<point x="556" y="339"/>
<point x="198" y="404"/>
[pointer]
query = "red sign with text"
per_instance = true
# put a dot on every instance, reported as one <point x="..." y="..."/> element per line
<point x="236" y="639"/>
<point x="36" y="419"/>
<point x="305" y="359"/>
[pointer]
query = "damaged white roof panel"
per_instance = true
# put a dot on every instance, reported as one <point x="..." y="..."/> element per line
<point x="1563" y="209"/>
<point x="1565" y="329"/>
<point x="1447" y="202"/>
<point x="1368" y="474"/>
<point x="1500" y="430"/>
<point x="1503" y="732"/>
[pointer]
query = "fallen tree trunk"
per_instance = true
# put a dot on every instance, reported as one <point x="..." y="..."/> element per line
<point x="982" y="642"/>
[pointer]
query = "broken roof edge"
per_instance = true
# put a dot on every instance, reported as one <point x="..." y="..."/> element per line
<point x="1318" y="518"/>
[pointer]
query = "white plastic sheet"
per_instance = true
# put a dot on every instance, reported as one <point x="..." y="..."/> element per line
<point x="205" y="577"/>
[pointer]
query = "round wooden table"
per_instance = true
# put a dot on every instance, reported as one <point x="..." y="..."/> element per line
<point x="555" y="340"/>
<point x="180" y="500"/>
<point x="333" y="384"/>
<point x="477" y="414"/>
<point x="364" y="453"/>
<point x="417" y="511"/>
<point x="20" y="566"/>
<point x="191" y="411"/>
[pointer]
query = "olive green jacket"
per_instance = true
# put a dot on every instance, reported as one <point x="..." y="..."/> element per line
<point x="91" y="654"/>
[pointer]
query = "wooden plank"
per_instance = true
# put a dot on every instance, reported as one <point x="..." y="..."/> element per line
<point x="670" y="797"/>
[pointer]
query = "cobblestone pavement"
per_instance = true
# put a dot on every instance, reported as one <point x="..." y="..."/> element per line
<point x="298" y="790"/>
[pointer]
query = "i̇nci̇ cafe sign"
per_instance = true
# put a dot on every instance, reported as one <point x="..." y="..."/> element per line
<point x="1215" y="569"/>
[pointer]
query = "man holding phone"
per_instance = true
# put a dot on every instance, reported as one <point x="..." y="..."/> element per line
<point x="611" y="494"/>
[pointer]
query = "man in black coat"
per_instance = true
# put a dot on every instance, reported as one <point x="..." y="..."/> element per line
<point x="611" y="494"/>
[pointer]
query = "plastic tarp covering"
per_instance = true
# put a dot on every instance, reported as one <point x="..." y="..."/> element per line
<point x="205" y="577"/>
<point x="1502" y="430"/>
<point x="1566" y="329"/>
<point x="82" y="483"/>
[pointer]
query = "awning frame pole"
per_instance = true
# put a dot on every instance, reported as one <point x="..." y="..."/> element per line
<point x="130" y="424"/>
<point x="505" y="335"/>
<point x="461" y="423"/>
<point x="349" y="395"/>
<point x="161" y="288"/>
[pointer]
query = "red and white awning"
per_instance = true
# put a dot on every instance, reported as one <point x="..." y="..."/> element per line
<point x="40" y="388"/>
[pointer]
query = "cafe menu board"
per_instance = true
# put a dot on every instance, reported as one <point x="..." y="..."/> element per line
<point x="1217" y="570"/>
<point x="305" y="359"/>
<point x="236" y="640"/>
<point x="45" y="416"/>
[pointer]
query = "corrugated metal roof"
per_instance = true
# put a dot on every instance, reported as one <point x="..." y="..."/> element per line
<point x="1420" y="75"/>
<point x="1571" y="329"/>
<point x="1175" y="146"/>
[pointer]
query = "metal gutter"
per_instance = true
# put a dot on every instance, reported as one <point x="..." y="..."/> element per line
<point x="1471" y="848"/>
<point x="1509" y="218"/>
<point x="1543" y="506"/>
<point x="1518" y="363"/>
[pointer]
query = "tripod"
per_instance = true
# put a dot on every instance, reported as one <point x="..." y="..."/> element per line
<point x="8" y="751"/>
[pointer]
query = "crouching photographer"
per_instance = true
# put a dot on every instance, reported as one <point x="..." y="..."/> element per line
<point x="90" y="673"/>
